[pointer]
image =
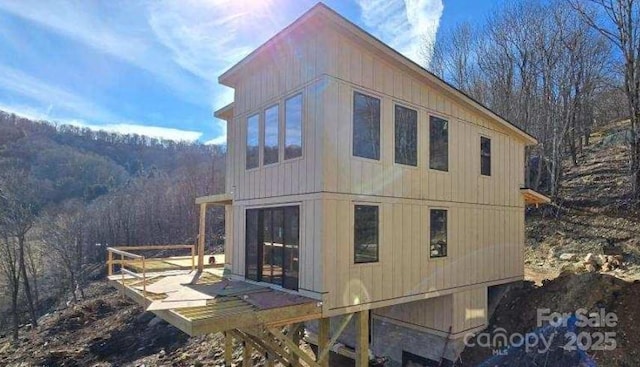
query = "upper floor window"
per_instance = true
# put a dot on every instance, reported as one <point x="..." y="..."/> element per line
<point x="293" y="127"/>
<point x="438" y="144"/>
<point x="438" y="238"/>
<point x="271" y="135"/>
<point x="406" y="131"/>
<point x="485" y="156"/>
<point x="365" y="237"/>
<point x="366" y="126"/>
<point x="253" y="144"/>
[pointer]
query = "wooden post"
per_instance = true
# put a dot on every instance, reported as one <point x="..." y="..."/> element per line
<point x="201" y="236"/>
<point x="110" y="263"/>
<point x="228" y="349"/>
<point x="246" y="354"/>
<point x="144" y="279"/>
<point x="324" y="328"/>
<point x="362" y="338"/>
<point x="122" y="272"/>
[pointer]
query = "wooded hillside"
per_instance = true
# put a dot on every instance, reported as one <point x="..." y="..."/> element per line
<point x="67" y="193"/>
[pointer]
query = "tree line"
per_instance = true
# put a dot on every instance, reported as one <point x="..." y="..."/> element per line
<point x="554" y="68"/>
<point x="68" y="193"/>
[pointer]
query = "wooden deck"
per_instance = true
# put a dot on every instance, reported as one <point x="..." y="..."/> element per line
<point x="208" y="303"/>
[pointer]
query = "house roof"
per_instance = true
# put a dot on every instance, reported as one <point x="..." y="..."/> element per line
<point x="321" y="10"/>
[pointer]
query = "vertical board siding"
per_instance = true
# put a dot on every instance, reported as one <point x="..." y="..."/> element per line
<point x="433" y="313"/>
<point x="480" y="249"/>
<point x="485" y="214"/>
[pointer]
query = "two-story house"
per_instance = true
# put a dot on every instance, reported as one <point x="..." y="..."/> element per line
<point x="358" y="179"/>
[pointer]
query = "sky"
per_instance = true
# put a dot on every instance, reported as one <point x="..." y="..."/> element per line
<point x="151" y="67"/>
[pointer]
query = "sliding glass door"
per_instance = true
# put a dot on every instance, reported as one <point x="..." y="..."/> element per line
<point x="272" y="248"/>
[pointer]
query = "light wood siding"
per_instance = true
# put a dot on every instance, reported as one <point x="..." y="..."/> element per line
<point x="484" y="245"/>
<point x="469" y="310"/>
<point x="344" y="173"/>
<point x="291" y="66"/>
<point x="434" y="314"/>
<point x="485" y="214"/>
<point x="310" y="255"/>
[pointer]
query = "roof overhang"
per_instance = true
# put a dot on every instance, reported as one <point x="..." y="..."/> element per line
<point x="220" y="199"/>
<point x="225" y="113"/>
<point x="532" y="197"/>
<point x="326" y="14"/>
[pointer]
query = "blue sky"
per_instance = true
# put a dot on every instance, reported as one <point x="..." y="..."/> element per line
<point x="151" y="67"/>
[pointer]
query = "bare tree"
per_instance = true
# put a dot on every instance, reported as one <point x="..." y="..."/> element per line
<point x="619" y="22"/>
<point x="62" y="237"/>
<point x="19" y="208"/>
<point x="536" y="64"/>
<point x="10" y="270"/>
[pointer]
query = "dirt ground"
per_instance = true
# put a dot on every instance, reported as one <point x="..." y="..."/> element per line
<point x="594" y="216"/>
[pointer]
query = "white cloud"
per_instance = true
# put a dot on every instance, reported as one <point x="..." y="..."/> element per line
<point x="123" y="35"/>
<point x="222" y="138"/>
<point x="146" y="130"/>
<point x="405" y="25"/>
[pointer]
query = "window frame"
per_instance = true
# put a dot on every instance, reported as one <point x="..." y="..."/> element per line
<point x="284" y="126"/>
<point x="378" y="226"/>
<point x="264" y="134"/>
<point x="353" y="125"/>
<point x="446" y="211"/>
<point x="417" y="146"/>
<point x="482" y="137"/>
<point x="448" y="121"/>
<point x="246" y="141"/>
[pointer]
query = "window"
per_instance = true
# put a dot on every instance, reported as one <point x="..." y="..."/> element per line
<point x="366" y="126"/>
<point x="438" y="144"/>
<point x="438" y="239"/>
<point x="293" y="127"/>
<point x="253" y="145"/>
<point x="485" y="156"/>
<point x="272" y="245"/>
<point x="271" y="135"/>
<point x="365" y="237"/>
<point x="406" y="126"/>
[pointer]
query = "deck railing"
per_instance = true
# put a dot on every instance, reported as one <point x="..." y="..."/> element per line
<point x="127" y="256"/>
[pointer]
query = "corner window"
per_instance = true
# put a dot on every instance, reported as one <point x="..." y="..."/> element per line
<point x="366" y="126"/>
<point x="485" y="156"/>
<point x="406" y="136"/>
<point x="365" y="234"/>
<point x="438" y="236"/>
<point x="271" y="135"/>
<point x="293" y="127"/>
<point x="253" y="145"/>
<point x="438" y="144"/>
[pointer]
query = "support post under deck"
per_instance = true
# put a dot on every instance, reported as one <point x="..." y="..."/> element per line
<point x="228" y="349"/>
<point x="324" y="328"/>
<point x="362" y="338"/>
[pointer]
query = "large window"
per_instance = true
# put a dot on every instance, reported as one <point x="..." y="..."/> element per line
<point x="293" y="127"/>
<point x="271" y="135"/>
<point x="365" y="234"/>
<point x="272" y="245"/>
<point x="438" y="238"/>
<point x="253" y="144"/>
<point x="406" y="131"/>
<point x="485" y="156"/>
<point x="438" y="144"/>
<point x="366" y="126"/>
